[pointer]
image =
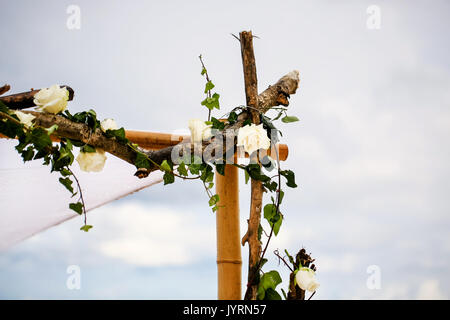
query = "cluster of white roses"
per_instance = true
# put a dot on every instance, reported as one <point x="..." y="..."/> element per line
<point x="306" y="279"/>
<point x="252" y="137"/>
<point x="54" y="100"/>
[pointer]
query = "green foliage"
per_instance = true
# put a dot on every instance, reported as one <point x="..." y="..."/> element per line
<point x="66" y="182"/>
<point x="220" y="167"/>
<point x="254" y="171"/>
<point x="168" y="178"/>
<point x="217" y="124"/>
<point x="141" y="161"/>
<point x="87" y="148"/>
<point x="212" y="102"/>
<point x="273" y="217"/>
<point x="209" y="85"/>
<point x="165" y="166"/>
<point x="118" y="134"/>
<point x="77" y="207"/>
<point x="35" y="143"/>
<point x="182" y="169"/>
<point x="267" y="284"/>
<point x="288" y="119"/>
<point x="290" y="177"/>
<point x="86" y="228"/>
<point x="88" y="118"/>
<point x="232" y="118"/>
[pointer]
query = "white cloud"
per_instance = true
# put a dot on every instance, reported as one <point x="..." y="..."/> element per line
<point x="430" y="290"/>
<point x="156" y="236"/>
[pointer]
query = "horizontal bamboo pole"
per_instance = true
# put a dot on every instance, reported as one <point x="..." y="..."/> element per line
<point x="157" y="140"/>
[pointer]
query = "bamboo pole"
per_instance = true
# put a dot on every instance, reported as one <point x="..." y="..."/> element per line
<point x="157" y="140"/>
<point x="229" y="261"/>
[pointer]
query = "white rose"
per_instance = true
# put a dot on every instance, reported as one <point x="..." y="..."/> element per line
<point x="108" y="124"/>
<point x="306" y="279"/>
<point x="52" y="100"/>
<point x="25" y="118"/>
<point x="253" y="137"/>
<point x="199" y="130"/>
<point x="92" y="161"/>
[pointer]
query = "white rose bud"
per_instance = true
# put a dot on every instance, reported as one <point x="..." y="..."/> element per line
<point x="253" y="137"/>
<point x="25" y="118"/>
<point x="52" y="100"/>
<point x="108" y="124"/>
<point x="306" y="279"/>
<point x="199" y="130"/>
<point x="92" y="161"/>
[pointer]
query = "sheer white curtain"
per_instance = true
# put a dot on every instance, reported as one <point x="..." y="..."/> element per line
<point x="32" y="199"/>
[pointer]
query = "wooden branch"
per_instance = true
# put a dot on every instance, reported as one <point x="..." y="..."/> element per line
<point x="77" y="131"/>
<point x="81" y="132"/>
<point x="279" y="93"/>
<point x="4" y="89"/>
<point x="251" y="93"/>
<point x="25" y="100"/>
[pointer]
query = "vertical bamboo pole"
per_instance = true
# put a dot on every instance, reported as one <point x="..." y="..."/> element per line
<point x="229" y="261"/>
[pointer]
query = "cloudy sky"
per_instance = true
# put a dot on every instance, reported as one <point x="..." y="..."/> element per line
<point x="370" y="152"/>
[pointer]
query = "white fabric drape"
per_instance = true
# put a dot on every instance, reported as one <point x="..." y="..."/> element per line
<point x="32" y="199"/>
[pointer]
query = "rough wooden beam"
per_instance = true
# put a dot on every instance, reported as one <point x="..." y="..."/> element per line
<point x="24" y="100"/>
<point x="251" y="93"/>
<point x="78" y="131"/>
<point x="4" y="89"/>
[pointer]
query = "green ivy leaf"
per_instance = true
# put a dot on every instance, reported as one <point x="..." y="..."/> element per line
<point x="212" y="102"/>
<point x="254" y="170"/>
<point x="168" y="178"/>
<point x="87" y="148"/>
<point x="141" y="161"/>
<point x="272" y="131"/>
<point x="52" y="129"/>
<point x="247" y="177"/>
<point x="291" y="259"/>
<point x="271" y="294"/>
<point x="232" y="118"/>
<point x="273" y="217"/>
<point x="10" y="128"/>
<point x="165" y="166"/>
<point x="28" y="154"/>
<point x="66" y="182"/>
<point x="271" y="185"/>
<point x="203" y="71"/>
<point x="40" y="138"/>
<point x="220" y="167"/>
<point x="86" y="228"/>
<point x="213" y="200"/>
<point x="3" y="107"/>
<point x="119" y="134"/>
<point x="182" y="169"/>
<point x="65" y="172"/>
<point x="77" y="207"/>
<point x="209" y="85"/>
<point x="217" y="124"/>
<point x="288" y="119"/>
<point x="290" y="177"/>
<point x="269" y="280"/>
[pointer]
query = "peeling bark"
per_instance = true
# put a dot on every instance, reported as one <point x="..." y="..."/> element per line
<point x="25" y="100"/>
<point x="251" y="93"/>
